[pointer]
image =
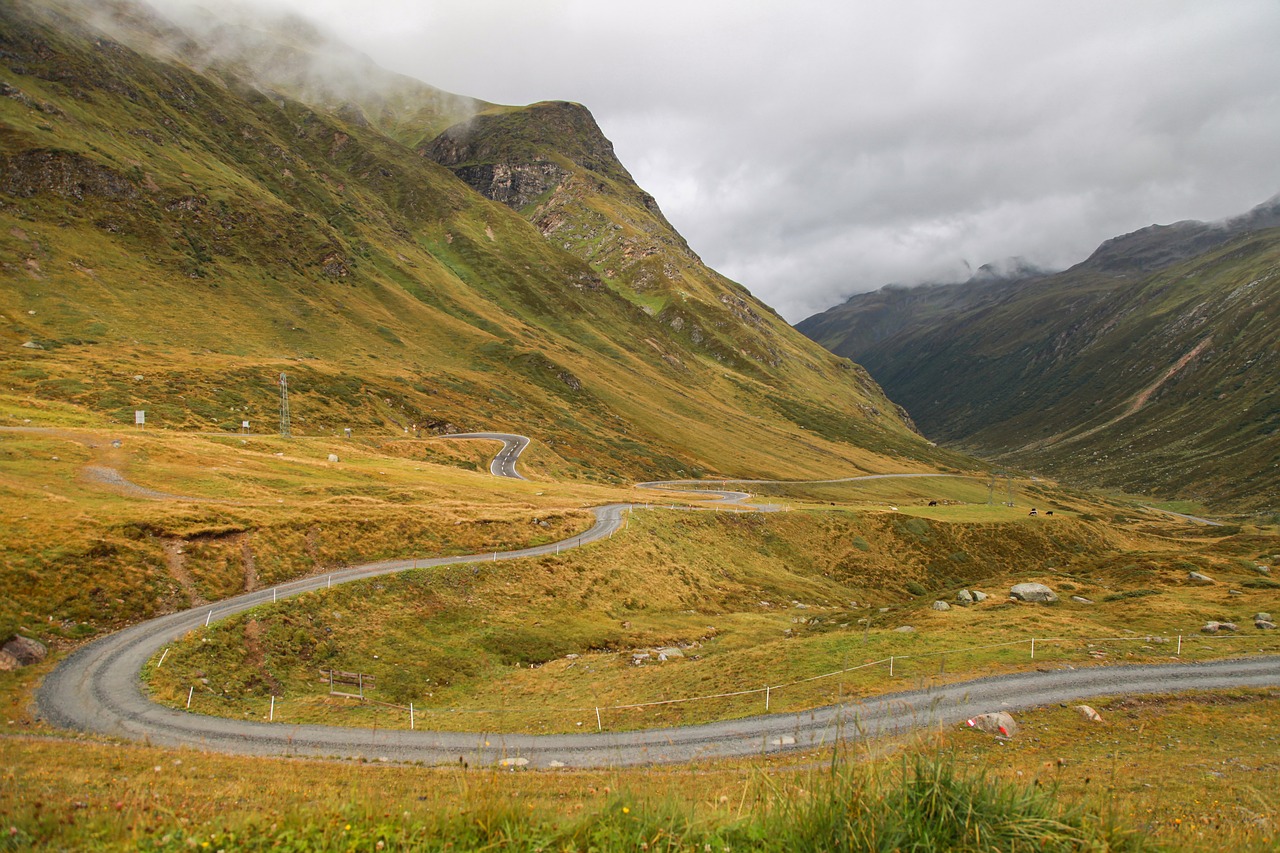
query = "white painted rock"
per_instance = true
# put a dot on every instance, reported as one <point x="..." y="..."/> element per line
<point x="999" y="723"/>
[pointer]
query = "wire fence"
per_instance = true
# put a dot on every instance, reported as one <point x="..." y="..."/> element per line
<point x="874" y="675"/>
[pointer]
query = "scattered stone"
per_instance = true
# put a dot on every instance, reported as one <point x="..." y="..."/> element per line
<point x="1089" y="714"/>
<point x="571" y="656"/>
<point x="1234" y="592"/>
<point x="115" y="442"/>
<point x="333" y="457"/>
<point x="1263" y="570"/>
<point x="941" y="605"/>
<point x="1199" y="578"/>
<point x="1262" y="617"/>
<point x="514" y="762"/>
<point x="1264" y="624"/>
<point x="1000" y="723"/>
<point x="638" y="658"/>
<point x="785" y="740"/>
<point x="32" y="345"/>
<point x="964" y="597"/>
<point x="25" y="650"/>
<point x="905" y="629"/>
<point x="1034" y="592"/>
<point x="1080" y="599"/>
<point x="555" y="764"/>
<point x="980" y="596"/>
<point x="8" y="663"/>
<point x="1214" y="627"/>
<point x="670" y="652"/>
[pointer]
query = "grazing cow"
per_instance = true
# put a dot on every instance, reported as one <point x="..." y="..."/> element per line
<point x="1033" y="511"/>
<point x="933" y="503"/>
<point x="1048" y="512"/>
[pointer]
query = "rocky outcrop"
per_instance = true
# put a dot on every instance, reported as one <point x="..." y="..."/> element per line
<point x="513" y="184"/>
<point x="65" y="174"/>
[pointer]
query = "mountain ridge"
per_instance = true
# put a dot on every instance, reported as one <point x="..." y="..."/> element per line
<point x="180" y="237"/>
<point x="1148" y="366"/>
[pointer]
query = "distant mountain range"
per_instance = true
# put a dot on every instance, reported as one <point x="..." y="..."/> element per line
<point x="1151" y="366"/>
<point x="189" y="208"/>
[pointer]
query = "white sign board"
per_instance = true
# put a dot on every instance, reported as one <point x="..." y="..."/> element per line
<point x="244" y="425"/>
<point x="139" y="417"/>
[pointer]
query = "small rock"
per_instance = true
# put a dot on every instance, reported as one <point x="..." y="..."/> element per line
<point x="555" y="764"/>
<point x="670" y="652"/>
<point x="514" y="762"/>
<point x="1262" y="617"/>
<point x="571" y="656"/>
<point x="1036" y="592"/>
<point x="905" y="629"/>
<point x="980" y="596"/>
<point x="941" y="605"/>
<point x="1214" y="627"/>
<point x="333" y="457"/>
<point x="32" y="345"/>
<point x="999" y="723"/>
<point x="25" y="650"/>
<point x="1089" y="714"/>
<point x="1234" y="592"/>
<point x="1080" y="599"/>
<point x="964" y="597"/>
<point x="1264" y="625"/>
<point x="1263" y="570"/>
<point x="1199" y="578"/>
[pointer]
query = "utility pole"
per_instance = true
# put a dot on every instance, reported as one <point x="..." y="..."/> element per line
<point x="284" y="406"/>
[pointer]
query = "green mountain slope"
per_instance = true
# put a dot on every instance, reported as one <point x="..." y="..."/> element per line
<point x="1151" y="366"/>
<point x="172" y="239"/>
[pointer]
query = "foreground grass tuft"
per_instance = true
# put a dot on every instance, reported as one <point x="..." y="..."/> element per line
<point x="928" y="802"/>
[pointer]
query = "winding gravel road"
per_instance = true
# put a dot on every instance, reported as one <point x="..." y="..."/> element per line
<point x="98" y="688"/>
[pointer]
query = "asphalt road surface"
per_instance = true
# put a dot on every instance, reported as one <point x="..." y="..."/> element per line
<point x="98" y="689"/>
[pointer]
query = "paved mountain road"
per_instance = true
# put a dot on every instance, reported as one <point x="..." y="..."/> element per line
<point x="98" y="689"/>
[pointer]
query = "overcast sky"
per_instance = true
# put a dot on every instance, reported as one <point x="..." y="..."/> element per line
<point x="811" y="150"/>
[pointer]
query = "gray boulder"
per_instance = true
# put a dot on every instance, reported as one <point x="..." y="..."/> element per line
<point x="1080" y="599"/>
<point x="1199" y="578"/>
<point x="1216" y="627"/>
<point x="980" y="596"/>
<point x="26" y="651"/>
<point x="1036" y="592"/>
<point x="964" y="597"/>
<point x="905" y="629"/>
<point x="941" y="605"/>
<point x="1262" y="617"/>
<point x="1264" y="624"/>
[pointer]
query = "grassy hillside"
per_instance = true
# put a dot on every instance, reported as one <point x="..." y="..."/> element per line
<point x="1109" y="374"/>
<point x="175" y="239"/>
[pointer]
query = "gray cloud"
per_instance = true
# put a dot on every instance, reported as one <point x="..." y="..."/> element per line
<point x="815" y="149"/>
